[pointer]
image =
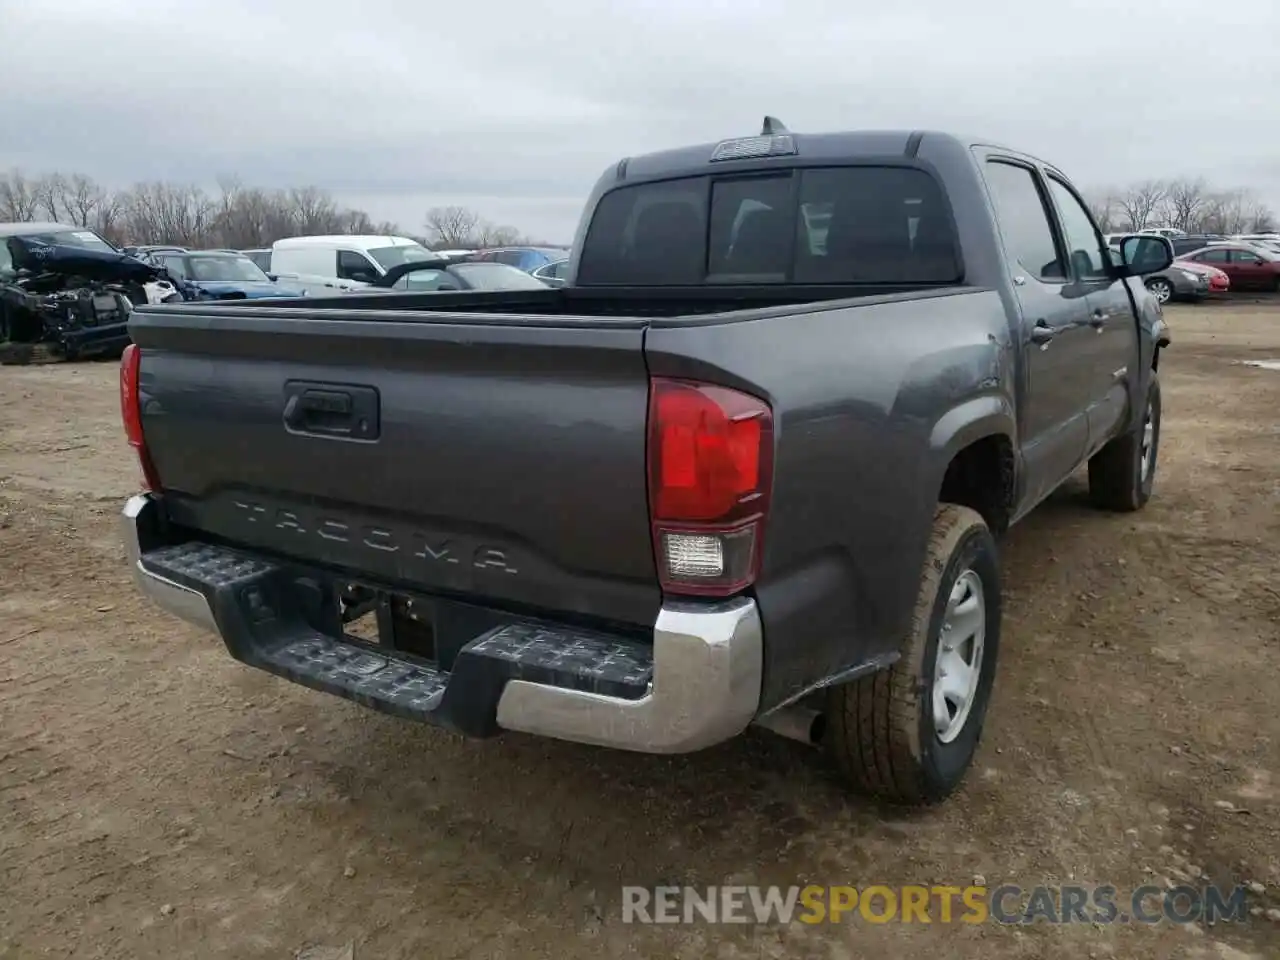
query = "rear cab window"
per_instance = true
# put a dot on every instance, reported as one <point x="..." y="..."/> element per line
<point x="808" y="225"/>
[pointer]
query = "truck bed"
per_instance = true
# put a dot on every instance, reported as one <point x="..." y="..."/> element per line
<point x="569" y="304"/>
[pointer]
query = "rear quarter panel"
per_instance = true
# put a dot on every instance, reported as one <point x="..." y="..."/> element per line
<point x="870" y="402"/>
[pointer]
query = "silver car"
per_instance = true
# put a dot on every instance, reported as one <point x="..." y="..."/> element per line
<point x="1174" y="282"/>
<point x="553" y="274"/>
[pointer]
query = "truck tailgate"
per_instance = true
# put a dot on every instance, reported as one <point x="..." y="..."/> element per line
<point x="473" y="456"/>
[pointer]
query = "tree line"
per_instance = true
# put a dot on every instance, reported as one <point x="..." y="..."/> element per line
<point x="234" y="216"/>
<point x="1190" y="204"/>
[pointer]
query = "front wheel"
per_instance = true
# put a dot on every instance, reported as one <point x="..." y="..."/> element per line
<point x="1161" y="289"/>
<point x="1122" y="474"/>
<point x="908" y="734"/>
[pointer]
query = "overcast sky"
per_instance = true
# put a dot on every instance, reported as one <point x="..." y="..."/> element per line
<point x="514" y="108"/>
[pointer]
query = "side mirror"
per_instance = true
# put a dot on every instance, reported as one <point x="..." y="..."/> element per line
<point x="1145" y="254"/>
<point x="273" y="277"/>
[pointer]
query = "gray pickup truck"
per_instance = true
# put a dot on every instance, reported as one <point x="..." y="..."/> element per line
<point x="749" y="465"/>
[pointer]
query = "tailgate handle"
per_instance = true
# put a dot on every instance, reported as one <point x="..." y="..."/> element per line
<point x="330" y="410"/>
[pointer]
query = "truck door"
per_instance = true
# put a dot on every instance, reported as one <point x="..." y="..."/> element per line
<point x="1110" y="347"/>
<point x="1053" y="329"/>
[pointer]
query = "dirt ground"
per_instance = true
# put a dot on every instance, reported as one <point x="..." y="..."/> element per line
<point x="158" y="799"/>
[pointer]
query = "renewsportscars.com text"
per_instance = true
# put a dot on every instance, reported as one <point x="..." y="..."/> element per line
<point x="1006" y="904"/>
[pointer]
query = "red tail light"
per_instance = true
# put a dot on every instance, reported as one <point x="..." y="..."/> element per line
<point x="710" y="475"/>
<point x="131" y="413"/>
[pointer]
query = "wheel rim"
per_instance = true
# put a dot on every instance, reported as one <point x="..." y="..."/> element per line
<point x="958" y="666"/>
<point x="1161" y="291"/>
<point x="1148" y="444"/>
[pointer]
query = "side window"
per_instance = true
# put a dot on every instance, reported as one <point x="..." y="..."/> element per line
<point x="175" y="266"/>
<point x="512" y="258"/>
<point x="1244" y="256"/>
<point x="1213" y="255"/>
<point x="1082" y="239"/>
<point x="559" y="270"/>
<point x="1024" y="220"/>
<point x="354" y="266"/>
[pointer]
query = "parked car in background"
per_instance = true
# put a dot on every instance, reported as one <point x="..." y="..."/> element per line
<point x="1219" y="282"/>
<point x="261" y="257"/>
<point x="442" y="275"/>
<point x="1176" y="282"/>
<point x="146" y="250"/>
<point x="527" y="259"/>
<point x="553" y="274"/>
<point x="1269" y="243"/>
<point x="1197" y="241"/>
<point x="1249" y="267"/>
<point x="342" y="262"/>
<point x="220" y="275"/>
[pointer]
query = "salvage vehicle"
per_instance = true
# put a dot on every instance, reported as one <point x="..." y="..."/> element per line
<point x="709" y="482"/>
<point x="226" y="275"/>
<point x="68" y="289"/>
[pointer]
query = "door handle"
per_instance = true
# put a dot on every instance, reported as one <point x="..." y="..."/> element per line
<point x="1042" y="333"/>
<point x="331" y="410"/>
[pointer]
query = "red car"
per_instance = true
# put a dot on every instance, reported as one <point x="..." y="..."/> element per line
<point x="1219" y="282"/>
<point x="1250" y="268"/>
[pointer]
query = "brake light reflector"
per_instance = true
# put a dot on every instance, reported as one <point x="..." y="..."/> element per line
<point x="710" y="474"/>
<point x="131" y="413"/>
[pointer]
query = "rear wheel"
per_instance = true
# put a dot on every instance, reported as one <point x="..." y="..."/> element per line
<point x="908" y="734"/>
<point x="1161" y="289"/>
<point x="1122" y="474"/>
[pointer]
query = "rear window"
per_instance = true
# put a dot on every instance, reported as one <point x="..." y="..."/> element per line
<point x="821" y="225"/>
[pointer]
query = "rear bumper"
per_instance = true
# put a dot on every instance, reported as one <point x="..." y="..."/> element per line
<point x="696" y="685"/>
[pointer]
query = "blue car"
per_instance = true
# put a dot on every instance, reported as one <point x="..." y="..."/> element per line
<point x="222" y="275"/>
<point x="527" y="259"/>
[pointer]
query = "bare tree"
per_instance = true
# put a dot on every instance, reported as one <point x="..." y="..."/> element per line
<point x="81" y="199"/>
<point x="451" y="227"/>
<point x="50" y="190"/>
<point x="1236" y="211"/>
<point x="1184" y="201"/>
<point x="18" y="201"/>
<point x="1104" y="212"/>
<point x="1139" y="202"/>
<point x="236" y="216"/>
<point x="498" y="235"/>
<point x="457" y="227"/>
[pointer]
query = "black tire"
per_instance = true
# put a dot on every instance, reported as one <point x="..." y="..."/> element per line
<point x="1117" y="477"/>
<point x="880" y="729"/>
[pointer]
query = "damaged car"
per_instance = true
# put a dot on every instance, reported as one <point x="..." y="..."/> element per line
<point x="68" y="289"/>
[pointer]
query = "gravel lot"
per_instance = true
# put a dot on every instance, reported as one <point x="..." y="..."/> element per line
<point x="158" y="799"/>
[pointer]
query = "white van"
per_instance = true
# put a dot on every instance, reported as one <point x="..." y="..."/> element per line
<point x="342" y="262"/>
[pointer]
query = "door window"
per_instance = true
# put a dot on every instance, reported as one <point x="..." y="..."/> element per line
<point x="1212" y="255"/>
<point x="1083" y="244"/>
<point x="1245" y="257"/>
<point x="354" y="266"/>
<point x="1024" y="220"/>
